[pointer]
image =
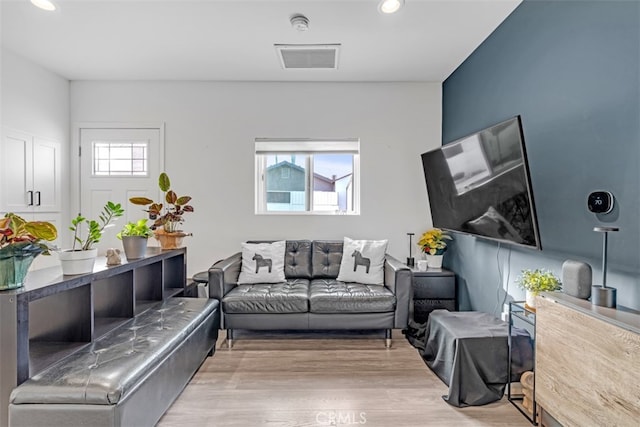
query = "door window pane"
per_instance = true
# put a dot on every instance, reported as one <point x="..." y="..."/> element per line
<point x="120" y="158"/>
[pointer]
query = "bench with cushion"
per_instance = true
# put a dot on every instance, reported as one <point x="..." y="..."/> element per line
<point x="308" y="295"/>
<point x="128" y="377"/>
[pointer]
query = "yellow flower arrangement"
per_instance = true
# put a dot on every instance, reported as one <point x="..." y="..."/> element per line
<point x="433" y="242"/>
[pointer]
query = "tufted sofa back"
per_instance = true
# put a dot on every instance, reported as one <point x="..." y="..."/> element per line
<point x="326" y="256"/>
<point x="297" y="259"/>
<point x="317" y="259"/>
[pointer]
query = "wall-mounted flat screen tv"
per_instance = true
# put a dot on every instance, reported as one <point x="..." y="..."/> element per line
<point x="480" y="185"/>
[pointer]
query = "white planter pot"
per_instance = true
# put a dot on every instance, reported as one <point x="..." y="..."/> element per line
<point x="434" y="261"/>
<point x="77" y="262"/>
<point x="530" y="299"/>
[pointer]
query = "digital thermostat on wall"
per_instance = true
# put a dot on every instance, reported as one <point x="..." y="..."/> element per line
<point x="600" y="202"/>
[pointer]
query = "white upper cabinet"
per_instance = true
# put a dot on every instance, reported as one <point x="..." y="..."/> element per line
<point x="31" y="174"/>
<point x="46" y="175"/>
<point x="17" y="176"/>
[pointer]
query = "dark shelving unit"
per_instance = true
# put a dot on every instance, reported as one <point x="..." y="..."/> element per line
<point x="52" y="316"/>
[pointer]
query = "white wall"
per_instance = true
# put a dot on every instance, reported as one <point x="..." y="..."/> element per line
<point x="33" y="98"/>
<point x="36" y="100"/>
<point x="210" y="130"/>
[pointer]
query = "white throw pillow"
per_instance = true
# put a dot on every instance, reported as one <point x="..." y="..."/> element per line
<point x="363" y="261"/>
<point x="262" y="263"/>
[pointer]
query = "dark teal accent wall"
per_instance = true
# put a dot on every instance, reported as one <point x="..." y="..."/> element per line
<point x="571" y="69"/>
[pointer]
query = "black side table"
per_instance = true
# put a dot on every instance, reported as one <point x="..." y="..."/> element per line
<point x="433" y="289"/>
<point x="191" y="290"/>
<point x="525" y="318"/>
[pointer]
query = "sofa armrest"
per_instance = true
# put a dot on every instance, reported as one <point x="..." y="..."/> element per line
<point x="399" y="279"/>
<point x="223" y="275"/>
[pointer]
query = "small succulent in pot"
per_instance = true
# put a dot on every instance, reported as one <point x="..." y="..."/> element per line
<point x="168" y="216"/>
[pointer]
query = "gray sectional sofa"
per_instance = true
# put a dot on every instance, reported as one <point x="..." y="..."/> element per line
<point x="311" y="298"/>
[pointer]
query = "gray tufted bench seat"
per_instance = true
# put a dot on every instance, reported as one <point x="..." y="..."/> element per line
<point x="311" y="298"/>
<point x="129" y="377"/>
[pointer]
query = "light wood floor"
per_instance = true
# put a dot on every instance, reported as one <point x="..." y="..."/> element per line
<point x="321" y="382"/>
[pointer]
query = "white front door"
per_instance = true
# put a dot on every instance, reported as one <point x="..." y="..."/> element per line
<point x="115" y="165"/>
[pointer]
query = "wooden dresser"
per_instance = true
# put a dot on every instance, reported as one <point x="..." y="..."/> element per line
<point x="587" y="368"/>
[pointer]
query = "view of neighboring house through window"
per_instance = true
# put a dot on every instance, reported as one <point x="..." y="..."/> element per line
<point x="316" y="176"/>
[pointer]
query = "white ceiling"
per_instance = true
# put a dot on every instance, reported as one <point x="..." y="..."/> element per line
<point x="233" y="40"/>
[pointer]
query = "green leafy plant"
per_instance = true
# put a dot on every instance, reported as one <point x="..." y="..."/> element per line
<point x="138" y="228"/>
<point x="538" y="280"/>
<point x="167" y="216"/>
<point x="95" y="229"/>
<point x="18" y="233"/>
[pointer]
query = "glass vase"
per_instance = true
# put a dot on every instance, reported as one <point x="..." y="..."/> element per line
<point x="15" y="261"/>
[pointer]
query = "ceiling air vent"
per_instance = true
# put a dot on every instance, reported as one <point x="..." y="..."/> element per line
<point x="308" y="56"/>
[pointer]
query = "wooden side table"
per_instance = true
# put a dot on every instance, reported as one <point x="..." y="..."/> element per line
<point x="433" y="289"/>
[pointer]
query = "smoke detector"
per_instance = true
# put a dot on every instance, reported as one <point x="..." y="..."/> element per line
<point x="299" y="22"/>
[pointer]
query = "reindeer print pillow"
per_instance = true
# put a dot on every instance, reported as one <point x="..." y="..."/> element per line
<point x="363" y="261"/>
<point x="262" y="263"/>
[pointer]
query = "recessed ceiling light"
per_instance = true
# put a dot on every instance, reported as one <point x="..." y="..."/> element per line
<point x="44" y="5"/>
<point x="390" y="6"/>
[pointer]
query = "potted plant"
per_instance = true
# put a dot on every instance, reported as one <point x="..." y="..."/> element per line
<point x="167" y="217"/>
<point x="20" y="242"/>
<point x="536" y="281"/>
<point x="433" y="244"/>
<point x="134" y="236"/>
<point x="81" y="257"/>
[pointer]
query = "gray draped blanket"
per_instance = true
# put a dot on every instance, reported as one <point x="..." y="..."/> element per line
<point x="469" y="352"/>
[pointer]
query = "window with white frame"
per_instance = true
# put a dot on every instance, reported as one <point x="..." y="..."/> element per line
<point x="307" y="176"/>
